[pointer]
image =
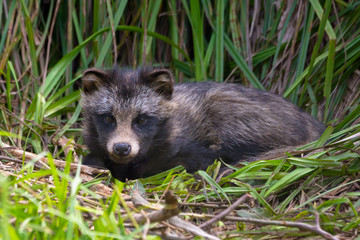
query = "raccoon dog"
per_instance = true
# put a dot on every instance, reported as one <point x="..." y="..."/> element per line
<point x="138" y="123"/>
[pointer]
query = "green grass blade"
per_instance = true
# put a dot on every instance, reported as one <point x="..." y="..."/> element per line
<point x="240" y="62"/>
<point x="115" y="22"/>
<point x="332" y="44"/>
<point x="173" y="28"/>
<point x="324" y="137"/>
<point x="8" y="89"/>
<point x="287" y="179"/>
<point x="196" y="22"/>
<point x="214" y="184"/>
<point x="219" y="46"/>
<point x="291" y="197"/>
<point x="277" y="51"/>
<point x="349" y="119"/>
<point x="79" y="37"/>
<point x="305" y="38"/>
<point x="31" y="38"/>
<point x="319" y="11"/>
<point x="56" y="107"/>
<point x="4" y="31"/>
<point x="210" y="51"/>
<point x="329" y="77"/>
<point x="46" y="30"/>
<point x="96" y="23"/>
<point x="234" y="25"/>
<point x="154" y="7"/>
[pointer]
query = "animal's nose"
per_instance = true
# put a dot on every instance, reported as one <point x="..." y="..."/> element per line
<point x="122" y="149"/>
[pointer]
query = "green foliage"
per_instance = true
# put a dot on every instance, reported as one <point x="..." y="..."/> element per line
<point x="306" y="51"/>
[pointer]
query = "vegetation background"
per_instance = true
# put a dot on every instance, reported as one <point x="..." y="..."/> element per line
<point x="306" y="51"/>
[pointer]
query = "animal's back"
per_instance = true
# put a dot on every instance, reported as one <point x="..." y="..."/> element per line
<point x="239" y="122"/>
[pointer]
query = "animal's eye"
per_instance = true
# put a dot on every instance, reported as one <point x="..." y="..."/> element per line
<point x="109" y="119"/>
<point x="141" y="119"/>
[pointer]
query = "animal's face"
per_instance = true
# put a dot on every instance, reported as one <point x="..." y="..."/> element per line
<point x="128" y="110"/>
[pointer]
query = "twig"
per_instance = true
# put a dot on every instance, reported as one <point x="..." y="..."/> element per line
<point x="171" y="207"/>
<point x="157" y="215"/>
<point x="172" y="236"/>
<point x="229" y="170"/>
<point x="191" y="228"/>
<point x="58" y="163"/>
<point x="204" y="205"/>
<point x="317" y="219"/>
<point x="146" y="225"/>
<point x="165" y="213"/>
<point x="139" y="201"/>
<point x="226" y="211"/>
<point x="20" y="161"/>
<point x="300" y="225"/>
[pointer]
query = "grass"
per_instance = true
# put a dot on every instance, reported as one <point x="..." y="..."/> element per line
<point x="306" y="51"/>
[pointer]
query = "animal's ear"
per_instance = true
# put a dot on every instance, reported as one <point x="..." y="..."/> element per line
<point x="162" y="81"/>
<point x="92" y="79"/>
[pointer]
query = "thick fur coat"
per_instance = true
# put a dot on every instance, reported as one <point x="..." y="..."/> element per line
<point x="138" y="123"/>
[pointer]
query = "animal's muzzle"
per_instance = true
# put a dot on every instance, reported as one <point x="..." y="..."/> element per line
<point x="122" y="149"/>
